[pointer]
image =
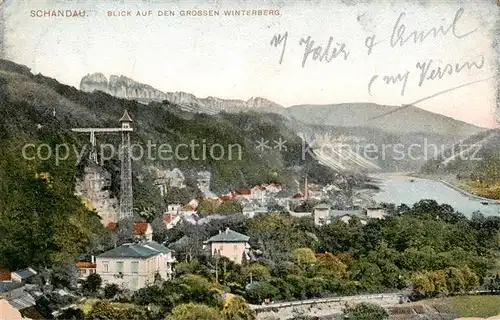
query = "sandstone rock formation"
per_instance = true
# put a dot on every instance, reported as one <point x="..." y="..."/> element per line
<point x="93" y="189"/>
<point x="123" y="87"/>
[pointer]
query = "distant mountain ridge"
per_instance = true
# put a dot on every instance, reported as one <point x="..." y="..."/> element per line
<point x="124" y="87"/>
<point x="408" y="126"/>
<point x="404" y="121"/>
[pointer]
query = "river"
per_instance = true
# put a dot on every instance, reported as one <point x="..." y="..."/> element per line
<point x="398" y="189"/>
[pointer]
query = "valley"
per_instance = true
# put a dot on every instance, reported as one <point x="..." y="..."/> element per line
<point x="245" y="200"/>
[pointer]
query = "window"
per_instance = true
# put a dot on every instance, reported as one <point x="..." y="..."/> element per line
<point x="135" y="267"/>
<point x="133" y="283"/>
<point x="105" y="266"/>
<point x="84" y="271"/>
<point x="119" y="266"/>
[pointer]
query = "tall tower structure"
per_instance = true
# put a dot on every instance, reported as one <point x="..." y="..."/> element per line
<point x="126" y="194"/>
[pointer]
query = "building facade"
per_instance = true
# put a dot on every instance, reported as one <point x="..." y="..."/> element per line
<point x="376" y="212"/>
<point x="321" y="214"/>
<point x="85" y="268"/>
<point x="229" y="244"/>
<point x="135" y="265"/>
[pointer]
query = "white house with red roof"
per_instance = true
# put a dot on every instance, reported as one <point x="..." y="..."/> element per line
<point x="86" y="268"/>
<point x="171" y="221"/>
<point x="243" y="194"/>
<point x="142" y="230"/>
<point x="273" y="187"/>
<point x="258" y="192"/>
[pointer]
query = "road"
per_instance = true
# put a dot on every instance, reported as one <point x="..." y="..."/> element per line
<point x="341" y="299"/>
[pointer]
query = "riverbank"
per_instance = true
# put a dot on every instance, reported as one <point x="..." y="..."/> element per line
<point x="410" y="188"/>
<point x="477" y="306"/>
<point x="453" y="183"/>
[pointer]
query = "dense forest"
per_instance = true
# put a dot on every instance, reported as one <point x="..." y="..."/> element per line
<point x="426" y="250"/>
<point x="298" y="260"/>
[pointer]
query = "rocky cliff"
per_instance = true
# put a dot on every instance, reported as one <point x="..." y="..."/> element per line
<point x="123" y="87"/>
<point x="93" y="187"/>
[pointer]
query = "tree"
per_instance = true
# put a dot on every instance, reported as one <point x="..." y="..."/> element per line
<point x="256" y="272"/>
<point x="37" y="203"/>
<point x="471" y="280"/>
<point x="277" y="234"/>
<point x="423" y="284"/>
<point x="177" y="195"/>
<point x="229" y="207"/>
<point x="147" y="196"/>
<point x="257" y="292"/>
<point x="193" y="311"/>
<point x="235" y="308"/>
<point x="207" y="206"/>
<point x="63" y="275"/>
<point x="368" y="275"/>
<point x="159" y="228"/>
<point x="195" y="288"/>
<point x="493" y="283"/>
<point x="304" y="256"/>
<point x="455" y="280"/>
<point x="92" y="283"/>
<point x="440" y="287"/>
<point x="111" y="290"/>
<point x="104" y="310"/>
<point x="366" y="311"/>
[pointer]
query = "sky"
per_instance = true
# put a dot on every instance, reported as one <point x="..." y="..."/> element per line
<point x="233" y="57"/>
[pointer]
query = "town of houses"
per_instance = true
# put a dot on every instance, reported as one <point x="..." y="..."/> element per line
<point x="135" y="265"/>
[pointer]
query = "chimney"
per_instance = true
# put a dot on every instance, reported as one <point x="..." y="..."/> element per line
<point x="92" y="258"/>
<point x="227" y="230"/>
<point x="220" y="232"/>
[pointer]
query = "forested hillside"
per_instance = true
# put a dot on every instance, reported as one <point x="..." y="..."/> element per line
<point x="473" y="163"/>
<point x="37" y="201"/>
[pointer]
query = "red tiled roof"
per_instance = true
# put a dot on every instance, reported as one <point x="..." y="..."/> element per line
<point x="140" y="228"/>
<point x="259" y="187"/>
<point x="85" y="265"/>
<point x="4" y="274"/>
<point x="225" y="198"/>
<point x="168" y="218"/>
<point x="112" y="226"/>
<point x="298" y="196"/>
<point x="243" y="192"/>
